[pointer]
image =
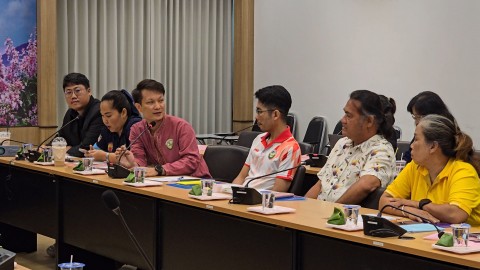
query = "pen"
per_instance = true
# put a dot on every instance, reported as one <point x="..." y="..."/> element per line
<point x="180" y="178"/>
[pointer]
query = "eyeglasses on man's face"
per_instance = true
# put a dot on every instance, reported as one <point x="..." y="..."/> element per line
<point x="77" y="91"/>
<point x="262" y="111"/>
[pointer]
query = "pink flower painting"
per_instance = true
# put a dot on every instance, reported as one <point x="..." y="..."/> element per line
<point x="18" y="64"/>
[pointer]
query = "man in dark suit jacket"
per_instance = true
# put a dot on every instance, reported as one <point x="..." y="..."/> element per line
<point x="83" y="132"/>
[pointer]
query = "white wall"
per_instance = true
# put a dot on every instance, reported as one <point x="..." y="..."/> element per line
<point x="321" y="50"/>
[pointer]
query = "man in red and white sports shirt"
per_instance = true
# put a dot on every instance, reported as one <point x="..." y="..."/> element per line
<point x="274" y="150"/>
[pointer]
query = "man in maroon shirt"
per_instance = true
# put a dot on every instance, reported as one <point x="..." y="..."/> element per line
<point x="168" y="147"/>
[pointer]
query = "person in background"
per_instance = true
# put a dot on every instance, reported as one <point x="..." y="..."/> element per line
<point x="441" y="184"/>
<point x="169" y="147"/>
<point x="118" y="114"/>
<point x="389" y="108"/>
<point x="275" y="149"/>
<point x="363" y="160"/>
<point x="81" y="133"/>
<point x="423" y="104"/>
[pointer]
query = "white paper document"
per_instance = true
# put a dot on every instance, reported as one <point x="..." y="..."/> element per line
<point x="172" y="178"/>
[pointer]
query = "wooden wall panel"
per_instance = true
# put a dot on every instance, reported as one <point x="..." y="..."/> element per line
<point x="243" y="64"/>
<point x="47" y="63"/>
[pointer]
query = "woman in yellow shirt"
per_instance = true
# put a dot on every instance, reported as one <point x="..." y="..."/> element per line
<point x="441" y="184"/>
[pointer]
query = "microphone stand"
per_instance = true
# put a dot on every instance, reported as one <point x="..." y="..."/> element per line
<point x="440" y="233"/>
<point x="234" y="133"/>
<point x="68" y="123"/>
<point x="34" y="155"/>
<point x="11" y="140"/>
<point x="111" y="201"/>
<point x="249" y="196"/>
<point x="115" y="170"/>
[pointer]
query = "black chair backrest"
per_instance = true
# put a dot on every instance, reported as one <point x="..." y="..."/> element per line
<point x="398" y="132"/>
<point x="316" y="133"/>
<point x="292" y="123"/>
<point x="246" y="138"/>
<point x="225" y="161"/>
<point x="402" y="147"/>
<point x="371" y="201"/>
<point x="305" y="148"/>
<point x="256" y="127"/>
<point x="296" y="187"/>
<point x="338" y="128"/>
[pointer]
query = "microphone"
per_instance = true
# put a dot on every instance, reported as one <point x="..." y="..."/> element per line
<point x="440" y="233"/>
<point x="115" y="170"/>
<point x="58" y="130"/>
<point x="306" y="162"/>
<point x="249" y="196"/>
<point x="34" y="155"/>
<point x="113" y="203"/>
<point x="11" y="140"/>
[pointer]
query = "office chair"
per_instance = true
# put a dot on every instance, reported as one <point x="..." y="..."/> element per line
<point x="315" y="134"/>
<point x="371" y="201"/>
<point x="292" y="123"/>
<point x="246" y="138"/>
<point x="305" y="148"/>
<point x="296" y="187"/>
<point x="402" y="147"/>
<point x="398" y="132"/>
<point x="338" y="128"/>
<point x="225" y="161"/>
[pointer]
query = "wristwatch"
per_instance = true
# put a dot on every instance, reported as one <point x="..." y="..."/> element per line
<point x="159" y="170"/>
<point x="423" y="202"/>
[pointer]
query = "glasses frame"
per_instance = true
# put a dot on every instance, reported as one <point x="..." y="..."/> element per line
<point x="76" y="91"/>
<point x="417" y="117"/>
<point x="262" y="111"/>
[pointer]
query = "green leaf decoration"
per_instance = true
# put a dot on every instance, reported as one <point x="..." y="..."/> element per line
<point x="41" y="158"/>
<point x="446" y="240"/>
<point x="79" y="167"/>
<point x="196" y="190"/>
<point x="130" y="178"/>
<point x="337" y="218"/>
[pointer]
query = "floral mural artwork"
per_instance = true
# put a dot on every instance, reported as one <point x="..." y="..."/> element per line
<point x="18" y="63"/>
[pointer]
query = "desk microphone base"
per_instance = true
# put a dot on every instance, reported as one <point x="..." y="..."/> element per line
<point x="117" y="171"/>
<point x="33" y="155"/>
<point x="246" y="195"/>
<point x="6" y="259"/>
<point x="381" y="227"/>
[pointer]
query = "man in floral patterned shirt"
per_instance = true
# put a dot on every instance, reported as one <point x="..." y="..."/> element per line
<point x="363" y="160"/>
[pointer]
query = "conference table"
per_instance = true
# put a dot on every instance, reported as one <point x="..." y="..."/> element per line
<point x="178" y="232"/>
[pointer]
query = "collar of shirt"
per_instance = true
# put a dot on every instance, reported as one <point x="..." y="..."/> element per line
<point x="281" y="138"/>
<point x="364" y="146"/>
<point x="444" y="173"/>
